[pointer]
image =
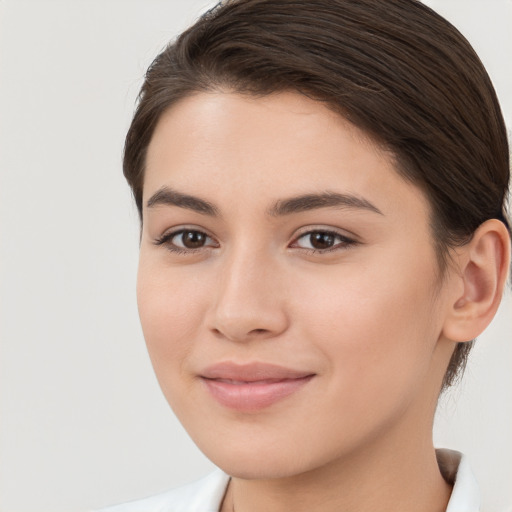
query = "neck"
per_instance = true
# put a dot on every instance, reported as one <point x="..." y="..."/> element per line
<point x="389" y="477"/>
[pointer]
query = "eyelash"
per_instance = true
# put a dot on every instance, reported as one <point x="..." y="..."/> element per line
<point x="166" y="238"/>
<point x="344" y="241"/>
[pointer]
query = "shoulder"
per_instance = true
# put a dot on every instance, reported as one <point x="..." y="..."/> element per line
<point x="204" y="495"/>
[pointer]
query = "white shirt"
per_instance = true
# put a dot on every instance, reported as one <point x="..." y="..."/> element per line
<point x="206" y="495"/>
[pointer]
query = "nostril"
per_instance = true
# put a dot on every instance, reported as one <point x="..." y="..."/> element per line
<point x="228" y="319"/>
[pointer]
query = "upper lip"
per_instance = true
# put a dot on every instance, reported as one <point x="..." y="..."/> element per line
<point x="251" y="372"/>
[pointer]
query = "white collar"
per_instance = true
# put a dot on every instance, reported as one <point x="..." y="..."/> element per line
<point x="455" y="469"/>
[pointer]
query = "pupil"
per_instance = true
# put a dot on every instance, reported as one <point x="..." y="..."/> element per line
<point x="193" y="239"/>
<point x="321" y="240"/>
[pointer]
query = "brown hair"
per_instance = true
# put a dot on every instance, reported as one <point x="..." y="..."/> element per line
<point x="394" y="68"/>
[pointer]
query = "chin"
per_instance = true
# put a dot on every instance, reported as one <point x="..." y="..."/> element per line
<point x="249" y="460"/>
<point x="253" y="468"/>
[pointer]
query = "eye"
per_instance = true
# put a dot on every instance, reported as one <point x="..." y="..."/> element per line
<point x="186" y="240"/>
<point x="323" y="241"/>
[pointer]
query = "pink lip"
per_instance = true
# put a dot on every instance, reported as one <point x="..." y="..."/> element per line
<point x="254" y="386"/>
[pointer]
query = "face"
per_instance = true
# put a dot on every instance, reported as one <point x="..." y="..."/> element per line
<point x="287" y="287"/>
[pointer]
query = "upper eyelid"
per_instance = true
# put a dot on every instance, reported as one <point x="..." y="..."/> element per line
<point x="180" y="229"/>
<point x="344" y="233"/>
<point x="298" y="232"/>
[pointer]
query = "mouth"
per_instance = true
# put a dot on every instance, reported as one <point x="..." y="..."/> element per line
<point x="253" y="386"/>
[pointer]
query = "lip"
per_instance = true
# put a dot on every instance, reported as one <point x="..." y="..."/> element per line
<point x="252" y="386"/>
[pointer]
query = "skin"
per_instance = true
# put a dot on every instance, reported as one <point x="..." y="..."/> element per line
<point x="367" y="317"/>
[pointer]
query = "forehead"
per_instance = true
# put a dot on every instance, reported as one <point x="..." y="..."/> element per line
<point x="283" y="124"/>
<point x="235" y="147"/>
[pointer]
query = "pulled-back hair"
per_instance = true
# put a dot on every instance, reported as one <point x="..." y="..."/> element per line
<point x="394" y="68"/>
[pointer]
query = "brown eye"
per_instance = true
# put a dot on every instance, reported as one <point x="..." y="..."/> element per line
<point x="186" y="240"/>
<point x="191" y="239"/>
<point x="321" y="240"/>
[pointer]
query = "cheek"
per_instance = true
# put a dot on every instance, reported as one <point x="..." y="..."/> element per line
<point x="377" y="330"/>
<point x="169" y="307"/>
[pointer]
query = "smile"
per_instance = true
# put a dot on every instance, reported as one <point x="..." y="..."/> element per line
<point x="252" y="387"/>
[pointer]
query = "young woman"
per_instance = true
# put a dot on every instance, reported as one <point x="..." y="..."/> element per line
<point x="321" y="187"/>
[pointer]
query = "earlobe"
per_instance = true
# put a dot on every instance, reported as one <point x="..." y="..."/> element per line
<point x="483" y="270"/>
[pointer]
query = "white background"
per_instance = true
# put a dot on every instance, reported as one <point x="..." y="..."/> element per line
<point x="82" y="420"/>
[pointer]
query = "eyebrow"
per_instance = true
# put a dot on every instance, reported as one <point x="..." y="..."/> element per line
<point x="170" y="197"/>
<point x="322" y="200"/>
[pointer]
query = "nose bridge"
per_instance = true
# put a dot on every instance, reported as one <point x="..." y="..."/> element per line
<point x="248" y="301"/>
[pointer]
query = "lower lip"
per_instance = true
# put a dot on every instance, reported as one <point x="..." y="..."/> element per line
<point x="253" y="396"/>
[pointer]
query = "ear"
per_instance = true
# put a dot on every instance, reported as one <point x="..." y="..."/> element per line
<point x="481" y="277"/>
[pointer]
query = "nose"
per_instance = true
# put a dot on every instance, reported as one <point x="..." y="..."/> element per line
<point x="250" y="300"/>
